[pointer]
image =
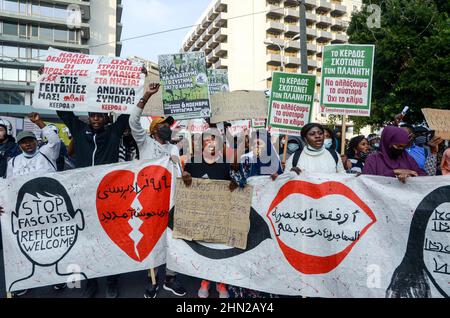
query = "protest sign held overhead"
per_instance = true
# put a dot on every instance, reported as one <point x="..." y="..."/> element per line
<point x="238" y="105"/>
<point x="258" y="123"/>
<point x="438" y="120"/>
<point x="218" y="81"/>
<point x="346" y="87"/>
<point x="107" y="220"/>
<point x="184" y="80"/>
<point x="291" y="101"/>
<point x="88" y="83"/>
<point x="207" y="211"/>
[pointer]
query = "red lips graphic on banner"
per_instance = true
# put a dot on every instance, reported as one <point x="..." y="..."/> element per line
<point x="135" y="231"/>
<point x="314" y="264"/>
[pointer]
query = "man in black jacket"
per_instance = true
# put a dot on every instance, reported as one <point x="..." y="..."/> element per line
<point x="96" y="143"/>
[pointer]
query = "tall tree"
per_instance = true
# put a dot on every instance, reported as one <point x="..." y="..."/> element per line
<point x="412" y="60"/>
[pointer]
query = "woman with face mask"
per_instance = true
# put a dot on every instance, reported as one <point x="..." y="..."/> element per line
<point x="392" y="160"/>
<point x="330" y="141"/>
<point x="315" y="157"/>
<point x="358" y="151"/>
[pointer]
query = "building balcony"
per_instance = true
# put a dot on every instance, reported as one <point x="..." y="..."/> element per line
<point x="290" y="3"/>
<point x="211" y="58"/>
<point x="274" y="27"/>
<point x="205" y="22"/>
<point x="339" y="38"/>
<point x="206" y="37"/>
<point x="212" y="29"/>
<point x="274" y="59"/>
<point x="338" y="25"/>
<point x="274" y="43"/>
<point x="221" y="50"/>
<point x="323" y="21"/>
<point x="310" y="17"/>
<point x="323" y="6"/>
<point x="211" y="44"/>
<point x="310" y="4"/>
<point x="221" y="20"/>
<point x="338" y="10"/>
<point x="292" y="46"/>
<point x="312" y="63"/>
<point x="221" y="35"/>
<point x="311" y="33"/>
<point x="324" y="36"/>
<point x="291" y="13"/>
<point x="212" y="14"/>
<point x="221" y="6"/>
<point x="311" y="48"/>
<point x="292" y="30"/>
<point x="291" y="61"/>
<point x="221" y="64"/>
<point x="274" y="11"/>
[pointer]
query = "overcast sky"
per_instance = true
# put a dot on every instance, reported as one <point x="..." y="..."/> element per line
<point x="149" y="16"/>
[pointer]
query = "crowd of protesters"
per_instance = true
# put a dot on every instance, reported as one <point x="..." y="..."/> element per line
<point x="402" y="151"/>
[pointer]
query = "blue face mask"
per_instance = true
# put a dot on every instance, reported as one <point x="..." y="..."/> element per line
<point x="420" y="140"/>
<point x="328" y="143"/>
<point x="292" y="147"/>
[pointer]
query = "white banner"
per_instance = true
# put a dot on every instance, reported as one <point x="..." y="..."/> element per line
<point x="88" y="83"/>
<point x="334" y="236"/>
<point x="85" y="223"/>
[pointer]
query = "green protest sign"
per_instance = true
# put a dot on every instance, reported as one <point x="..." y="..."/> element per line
<point x="184" y="83"/>
<point x="218" y="81"/>
<point x="347" y="79"/>
<point x="291" y="100"/>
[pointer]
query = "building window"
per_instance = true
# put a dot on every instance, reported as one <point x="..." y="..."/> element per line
<point x="23" y="6"/>
<point x="9" y="98"/>
<point x="60" y="12"/>
<point x="10" y="28"/>
<point x="23" y="30"/>
<point x="34" y="31"/>
<point x="10" y="51"/>
<point x="10" y="75"/>
<point x="45" y="34"/>
<point x="22" y="75"/>
<point x="11" y="5"/>
<point x="35" y="9"/>
<point x="47" y="10"/>
<point x="60" y="35"/>
<point x="34" y="76"/>
<point x="23" y="54"/>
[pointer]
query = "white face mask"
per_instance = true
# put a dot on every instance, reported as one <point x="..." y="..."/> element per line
<point x="328" y="143"/>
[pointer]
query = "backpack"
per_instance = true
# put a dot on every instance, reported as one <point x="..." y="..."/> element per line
<point x="299" y="152"/>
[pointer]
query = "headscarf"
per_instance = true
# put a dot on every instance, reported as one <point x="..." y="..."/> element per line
<point x="445" y="163"/>
<point x="382" y="164"/>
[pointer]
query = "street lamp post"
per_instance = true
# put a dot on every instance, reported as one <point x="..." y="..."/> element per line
<point x="303" y="43"/>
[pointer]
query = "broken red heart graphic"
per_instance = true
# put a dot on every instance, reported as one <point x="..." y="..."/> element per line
<point x="135" y="227"/>
<point x="314" y="264"/>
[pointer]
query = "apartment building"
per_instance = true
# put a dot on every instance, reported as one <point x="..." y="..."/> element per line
<point x="29" y="27"/>
<point x="253" y="38"/>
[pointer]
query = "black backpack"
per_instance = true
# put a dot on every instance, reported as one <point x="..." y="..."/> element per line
<point x="299" y="152"/>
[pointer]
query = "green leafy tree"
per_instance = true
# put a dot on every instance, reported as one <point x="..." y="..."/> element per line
<point x="412" y="60"/>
